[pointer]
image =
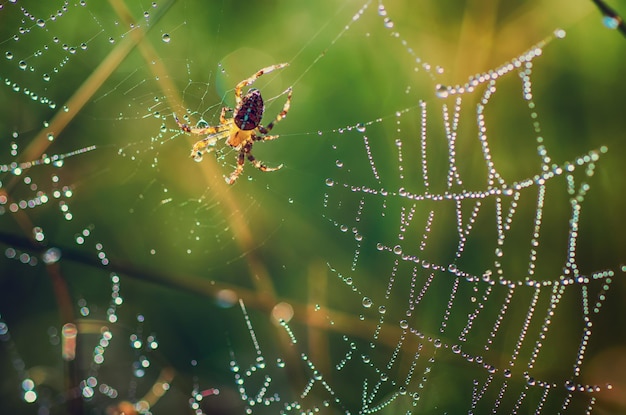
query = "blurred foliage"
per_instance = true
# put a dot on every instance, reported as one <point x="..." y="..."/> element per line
<point x="178" y="236"/>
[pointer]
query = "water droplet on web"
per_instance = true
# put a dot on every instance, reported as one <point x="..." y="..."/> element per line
<point x="46" y="77"/>
<point x="38" y="234"/>
<point x="559" y="33"/>
<point x="388" y="23"/>
<point x="330" y="182"/>
<point x="381" y="10"/>
<point x="22" y="65"/>
<point x="367" y="302"/>
<point x="8" y="55"/>
<point x="442" y="91"/>
<point x="611" y="22"/>
<point x="50" y="137"/>
<point x="41" y="23"/>
<point x="397" y="249"/>
<point x="51" y="256"/>
<point x="339" y="163"/>
<point x="360" y="127"/>
<point x="166" y="38"/>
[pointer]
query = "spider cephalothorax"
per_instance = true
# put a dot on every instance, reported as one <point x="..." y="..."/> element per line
<point x="243" y="129"/>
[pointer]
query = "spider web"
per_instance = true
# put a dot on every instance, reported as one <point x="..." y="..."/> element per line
<point x="456" y="256"/>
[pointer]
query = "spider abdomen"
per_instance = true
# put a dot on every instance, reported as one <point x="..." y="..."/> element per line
<point x="250" y="112"/>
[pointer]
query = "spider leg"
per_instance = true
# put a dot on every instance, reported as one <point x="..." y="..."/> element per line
<point x="206" y="145"/>
<point x="264" y="137"/>
<point x="223" y="119"/>
<point x="259" y="165"/>
<point x="253" y="78"/>
<point x="201" y="131"/>
<point x="279" y="117"/>
<point x="241" y="158"/>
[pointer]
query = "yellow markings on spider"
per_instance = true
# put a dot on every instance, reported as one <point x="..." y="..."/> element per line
<point x="243" y="128"/>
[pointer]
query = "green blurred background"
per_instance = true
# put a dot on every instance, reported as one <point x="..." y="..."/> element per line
<point x="182" y="241"/>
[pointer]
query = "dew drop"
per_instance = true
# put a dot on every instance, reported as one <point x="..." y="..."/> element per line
<point x="22" y="65"/>
<point x="41" y="23"/>
<point x="38" y="234"/>
<point x="611" y="22"/>
<point x="46" y="77"/>
<point x="360" y="127"/>
<point x="8" y="55"/>
<point x="166" y="38"/>
<point x="51" y="256"/>
<point x="559" y="33"/>
<point x="397" y="249"/>
<point x="330" y="182"/>
<point x="404" y="324"/>
<point x="442" y="91"/>
<point x="367" y="302"/>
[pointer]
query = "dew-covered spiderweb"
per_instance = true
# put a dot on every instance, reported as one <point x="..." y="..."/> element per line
<point x="444" y="237"/>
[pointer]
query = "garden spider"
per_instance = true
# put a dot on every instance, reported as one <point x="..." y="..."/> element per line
<point x="243" y="129"/>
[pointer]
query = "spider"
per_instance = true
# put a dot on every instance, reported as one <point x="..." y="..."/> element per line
<point x="243" y="129"/>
